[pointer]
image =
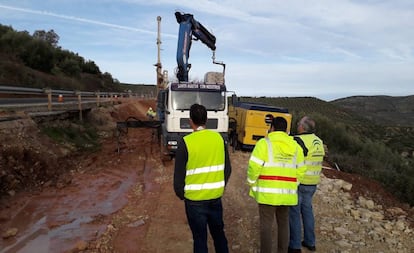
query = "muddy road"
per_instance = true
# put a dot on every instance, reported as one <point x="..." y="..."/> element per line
<point x="116" y="202"/>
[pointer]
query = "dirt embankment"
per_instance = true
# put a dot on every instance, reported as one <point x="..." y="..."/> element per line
<point x="124" y="202"/>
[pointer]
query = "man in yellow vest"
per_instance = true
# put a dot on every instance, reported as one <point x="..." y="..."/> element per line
<point x="151" y="113"/>
<point x="276" y="167"/>
<point x="202" y="170"/>
<point x="314" y="152"/>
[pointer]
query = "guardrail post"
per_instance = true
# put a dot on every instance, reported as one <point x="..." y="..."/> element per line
<point x="98" y="98"/>
<point x="49" y="98"/>
<point x="78" y="93"/>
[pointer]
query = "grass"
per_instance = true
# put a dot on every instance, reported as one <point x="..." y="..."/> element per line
<point x="82" y="137"/>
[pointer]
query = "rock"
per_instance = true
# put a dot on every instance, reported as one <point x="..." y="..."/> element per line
<point x="235" y="248"/>
<point x="136" y="223"/>
<point x="11" y="232"/>
<point x="400" y="225"/>
<point x="343" y="244"/>
<point x="81" y="245"/>
<point x="342" y="231"/>
<point x="396" y="211"/>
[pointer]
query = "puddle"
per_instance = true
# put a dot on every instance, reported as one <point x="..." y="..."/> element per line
<point x="56" y="220"/>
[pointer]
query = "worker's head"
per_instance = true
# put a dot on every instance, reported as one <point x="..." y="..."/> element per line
<point x="198" y="115"/>
<point x="279" y="124"/>
<point x="306" y="125"/>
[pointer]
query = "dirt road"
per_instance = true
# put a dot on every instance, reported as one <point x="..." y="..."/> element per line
<point x="122" y="202"/>
<point x="118" y="202"/>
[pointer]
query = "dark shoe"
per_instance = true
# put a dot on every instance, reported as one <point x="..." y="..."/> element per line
<point x="311" y="248"/>
<point x="290" y="250"/>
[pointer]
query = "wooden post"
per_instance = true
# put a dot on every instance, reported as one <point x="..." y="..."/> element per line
<point x="49" y="99"/>
<point x="79" y="105"/>
<point x="98" y="97"/>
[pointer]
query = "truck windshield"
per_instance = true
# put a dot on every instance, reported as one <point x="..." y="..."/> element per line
<point x="212" y="100"/>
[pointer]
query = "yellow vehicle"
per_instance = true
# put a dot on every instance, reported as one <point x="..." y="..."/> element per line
<point x="248" y="122"/>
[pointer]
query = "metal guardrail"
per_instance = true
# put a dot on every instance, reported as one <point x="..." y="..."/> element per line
<point x="60" y="99"/>
<point x="38" y="91"/>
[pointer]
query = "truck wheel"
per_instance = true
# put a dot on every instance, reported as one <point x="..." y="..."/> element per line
<point x="164" y="153"/>
<point x="235" y="143"/>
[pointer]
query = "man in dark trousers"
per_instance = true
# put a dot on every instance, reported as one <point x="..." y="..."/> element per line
<point x="202" y="170"/>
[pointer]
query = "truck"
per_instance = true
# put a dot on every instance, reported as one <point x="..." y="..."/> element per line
<point x="174" y="101"/>
<point x="249" y="122"/>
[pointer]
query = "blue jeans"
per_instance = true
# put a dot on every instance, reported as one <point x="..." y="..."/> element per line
<point x="201" y="214"/>
<point x="302" y="214"/>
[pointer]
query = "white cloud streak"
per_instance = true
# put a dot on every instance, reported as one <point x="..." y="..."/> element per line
<point x="83" y="20"/>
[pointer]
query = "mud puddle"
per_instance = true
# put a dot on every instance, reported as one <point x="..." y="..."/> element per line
<point x="57" y="219"/>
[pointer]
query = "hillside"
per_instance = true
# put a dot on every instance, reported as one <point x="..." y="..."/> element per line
<point x="37" y="61"/>
<point x="383" y="110"/>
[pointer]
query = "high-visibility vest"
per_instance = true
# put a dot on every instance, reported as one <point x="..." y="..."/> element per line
<point x="313" y="159"/>
<point x="276" y="166"/>
<point x="204" y="178"/>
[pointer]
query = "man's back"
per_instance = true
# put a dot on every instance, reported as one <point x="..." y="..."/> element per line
<point x="275" y="166"/>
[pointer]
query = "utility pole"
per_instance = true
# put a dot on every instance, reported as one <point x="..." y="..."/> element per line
<point x="160" y="76"/>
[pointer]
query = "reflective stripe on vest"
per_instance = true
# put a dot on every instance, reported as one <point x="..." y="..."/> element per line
<point x="312" y="173"/>
<point x="273" y="190"/>
<point x="205" y="186"/>
<point x="205" y="170"/>
<point x="272" y="164"/>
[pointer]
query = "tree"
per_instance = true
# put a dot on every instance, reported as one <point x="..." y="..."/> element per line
<point x="50" y="37"/>
<point x="70" y="67"/>
<point x="90" y="67"/>
<point x="38" y="55"/>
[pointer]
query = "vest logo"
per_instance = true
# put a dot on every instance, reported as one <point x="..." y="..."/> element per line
<point x="317" y="144"/>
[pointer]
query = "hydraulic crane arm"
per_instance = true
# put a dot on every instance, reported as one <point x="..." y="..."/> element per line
<point x="189" y="27"/>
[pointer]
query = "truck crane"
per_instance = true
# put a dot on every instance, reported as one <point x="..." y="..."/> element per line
<point x="189" y="27"/>
<point x="175" y="100"/>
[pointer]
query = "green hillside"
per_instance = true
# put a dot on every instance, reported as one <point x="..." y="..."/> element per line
<point x="384" y="110"/>
<point x="37" y="61"/>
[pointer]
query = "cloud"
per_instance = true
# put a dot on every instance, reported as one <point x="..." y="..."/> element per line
<point x="83" y="20"/>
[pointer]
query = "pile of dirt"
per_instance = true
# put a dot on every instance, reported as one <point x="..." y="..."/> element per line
<point x="28" y="159"/>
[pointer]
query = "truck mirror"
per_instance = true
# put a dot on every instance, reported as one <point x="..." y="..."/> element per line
<point x="269" y="119"/>
<point x="234" y="99"/>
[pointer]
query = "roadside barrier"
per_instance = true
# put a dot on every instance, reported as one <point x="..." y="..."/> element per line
<point x="58" y="99"/>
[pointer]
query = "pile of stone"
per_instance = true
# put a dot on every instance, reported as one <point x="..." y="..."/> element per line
<point x="347" y="225"/>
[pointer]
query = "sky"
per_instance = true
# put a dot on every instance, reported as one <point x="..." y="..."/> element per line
<point x="327" y="49"/>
